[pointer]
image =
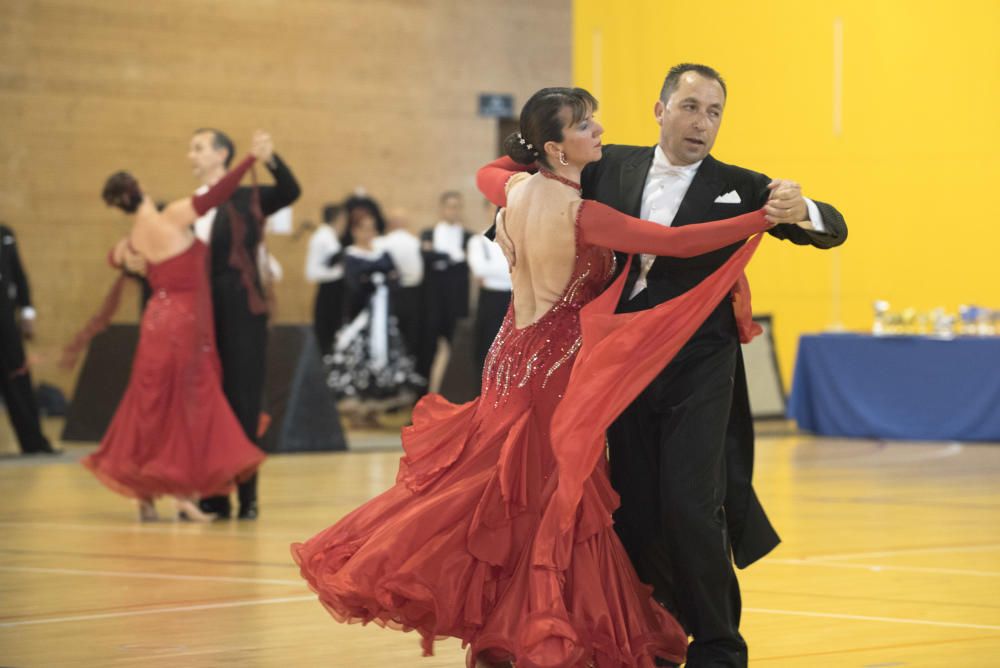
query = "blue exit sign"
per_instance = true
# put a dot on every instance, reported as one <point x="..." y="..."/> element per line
<point x="498" y="105"/>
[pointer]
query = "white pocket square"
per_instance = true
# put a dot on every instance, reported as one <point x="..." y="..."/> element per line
<point x="731" y="197"/>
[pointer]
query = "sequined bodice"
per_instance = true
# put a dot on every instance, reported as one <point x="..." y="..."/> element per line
<point x="179" y="313"/>
<point x="530" y="356"/>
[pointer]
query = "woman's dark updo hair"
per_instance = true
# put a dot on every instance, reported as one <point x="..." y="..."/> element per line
<point x="541" y="122"/>
<point x="365" y="203"/>
<point x="122" y="190"/>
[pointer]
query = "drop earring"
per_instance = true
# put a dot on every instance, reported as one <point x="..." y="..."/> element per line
<point x="562" y="159"/>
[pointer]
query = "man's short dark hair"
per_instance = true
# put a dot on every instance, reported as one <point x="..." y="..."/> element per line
<point x="220" y="140"/>
<point x="449" y="194"/>
<point x="677" y="71"/>
<point x="331" y="211"/>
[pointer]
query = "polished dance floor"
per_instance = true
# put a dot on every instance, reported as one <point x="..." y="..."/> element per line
<point x="891" y="558"/>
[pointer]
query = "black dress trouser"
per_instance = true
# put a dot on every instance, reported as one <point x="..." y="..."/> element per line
<point x="490" y="313"/>
<point x="16" y="387"/>
<point x="241" y="339"/>
<point x="328" y="314"/>
<point x="667" y="457"/>
<point x="407" y="306"/>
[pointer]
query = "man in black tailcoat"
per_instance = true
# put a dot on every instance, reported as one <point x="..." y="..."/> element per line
<point x="17" y="319"/>
<point x="682" y="454"/>
<point x="234" y="233"/>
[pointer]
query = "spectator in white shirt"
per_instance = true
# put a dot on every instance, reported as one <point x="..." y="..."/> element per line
<point x="325" y="267"/>
<point x="404" y="248"/>
<point x="492" y="274"/>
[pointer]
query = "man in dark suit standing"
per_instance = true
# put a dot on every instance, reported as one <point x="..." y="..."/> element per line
<point x="234" y="233"/>
<point x="17" y="318"/>
<point x="445" y="287"/>
<point x="682" y="454"/>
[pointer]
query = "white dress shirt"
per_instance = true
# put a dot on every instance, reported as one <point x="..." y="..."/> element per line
<point x="404" y="249"/>
<point x="666" y="186"/>
<point x="203" y="225"/>
<point x="488" y="264"/>
<point x="448" y="238"/>
<point x="322" y="244"/>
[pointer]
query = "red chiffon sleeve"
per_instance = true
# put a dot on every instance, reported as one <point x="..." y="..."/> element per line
<point x="492" y="178"/>
<point x="222" y="190"/>
<point x="600" y="225"/>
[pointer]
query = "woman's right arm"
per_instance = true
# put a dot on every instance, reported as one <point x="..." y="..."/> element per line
<point x="116" y="255"/>
<point x="184" y="212"/>
<point x="126" y="258"/>
<point x="492" y="178"/>
<point x="601" y="225"/>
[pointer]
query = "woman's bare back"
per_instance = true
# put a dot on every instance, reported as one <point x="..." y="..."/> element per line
<point x="540" y="221"/>
<point x="160" y="235"/>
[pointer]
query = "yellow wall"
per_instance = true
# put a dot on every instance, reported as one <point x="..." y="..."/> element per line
<point x="913" y="169"/>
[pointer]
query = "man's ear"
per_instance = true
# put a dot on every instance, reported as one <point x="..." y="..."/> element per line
<point x="658" y="109"/>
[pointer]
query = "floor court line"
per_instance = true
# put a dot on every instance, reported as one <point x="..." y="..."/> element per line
<point x="200" y="531"/>
<point x="904" y="453"/>
<point x="119" y="607"/>
<point x="150" y="576"/>
<point x="871" y="618"/>
<point x="148" y="558"/>
<point x="874" y="648"/>
<point x="160" y="611"/>
<point x="214" y="530"/>
<point x="311" y="597"/>
<point x="876" y="568"/>
<point x="867" y="600"/>
<point x="906" y="550"/>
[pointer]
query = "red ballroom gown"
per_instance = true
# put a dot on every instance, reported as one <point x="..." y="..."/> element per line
<point x="174" y="432"/>
<point x="498" y="530"/>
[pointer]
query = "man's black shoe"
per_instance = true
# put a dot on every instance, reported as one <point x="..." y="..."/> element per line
<point x="218" y="506"/>
<point x="248" y="511"/>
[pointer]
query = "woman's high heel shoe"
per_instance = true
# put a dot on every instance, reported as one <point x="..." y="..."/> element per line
<point x="147" y="511"/>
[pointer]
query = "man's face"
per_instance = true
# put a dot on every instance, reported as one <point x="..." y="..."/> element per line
<point x="204" y="157"/>
<point x="690" y="119"/>
<point x="451" y="210"/>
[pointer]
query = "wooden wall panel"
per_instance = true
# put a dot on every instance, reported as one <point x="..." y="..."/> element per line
<point x="373" y="93"/>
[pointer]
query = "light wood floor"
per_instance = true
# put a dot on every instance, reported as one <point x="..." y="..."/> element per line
<point x="891" y="558"/>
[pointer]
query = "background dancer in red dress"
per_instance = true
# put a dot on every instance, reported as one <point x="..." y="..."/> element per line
<point x="173" y="432"/>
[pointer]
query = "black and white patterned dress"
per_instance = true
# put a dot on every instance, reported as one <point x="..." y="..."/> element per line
<point x="369" y="364"/>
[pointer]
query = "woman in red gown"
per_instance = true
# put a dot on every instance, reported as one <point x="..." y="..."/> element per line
<point x="498" y="530"/>
<point x="173" y="432"/>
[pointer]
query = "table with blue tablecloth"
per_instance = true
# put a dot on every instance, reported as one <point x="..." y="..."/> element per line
<point x="898" y="387"/>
